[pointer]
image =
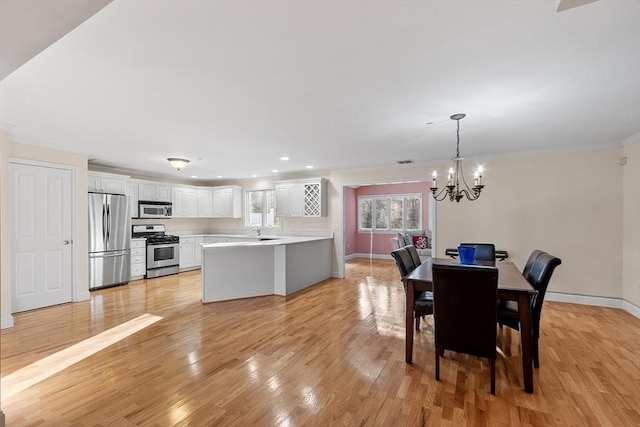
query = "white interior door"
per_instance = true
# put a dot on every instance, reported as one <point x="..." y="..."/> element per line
<point x="42" y="236"/>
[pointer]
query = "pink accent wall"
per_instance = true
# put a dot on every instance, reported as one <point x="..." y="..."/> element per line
<point x="381" y="242"/>
<point x="350" y="221"/>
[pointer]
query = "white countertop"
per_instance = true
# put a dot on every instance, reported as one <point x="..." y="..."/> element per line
<point x="269" y="241"/>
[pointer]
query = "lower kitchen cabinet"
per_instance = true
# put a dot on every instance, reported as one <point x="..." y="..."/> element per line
<point x="138" y="258"/>
<point x="187" y="253"/>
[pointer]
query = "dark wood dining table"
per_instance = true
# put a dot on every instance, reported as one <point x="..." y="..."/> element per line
<point x="511" y="286"/>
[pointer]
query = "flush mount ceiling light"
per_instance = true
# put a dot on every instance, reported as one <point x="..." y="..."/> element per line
<point x="457" y="187"/>
<point x="177" y="162"/>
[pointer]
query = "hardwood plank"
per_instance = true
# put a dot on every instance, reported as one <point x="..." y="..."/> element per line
<point x="330" y="355"/>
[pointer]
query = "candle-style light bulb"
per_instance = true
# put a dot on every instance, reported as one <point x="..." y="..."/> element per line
<point x="479" y="172"/>
<point x="434" y="175"/>
<point x="451" y="171"/>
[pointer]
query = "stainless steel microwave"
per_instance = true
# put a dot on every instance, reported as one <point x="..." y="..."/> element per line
<point x="151" y="209"/>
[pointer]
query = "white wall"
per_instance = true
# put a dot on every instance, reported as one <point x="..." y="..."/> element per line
<point x="631" y="227"/>
<point x="5" y="249"/>
<point x="568" y="204"/>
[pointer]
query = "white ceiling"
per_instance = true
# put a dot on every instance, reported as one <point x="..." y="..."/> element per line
<point x="235" y="85"/>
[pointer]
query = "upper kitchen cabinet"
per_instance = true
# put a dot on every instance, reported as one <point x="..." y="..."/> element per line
<point x="205" y="202"/>
<point x="288" y="199"/>
<point x="227" y="202"/>
<point x="306" y="198"/>
<point x="132" y="194"/>
<point x="151" y="191"/>
<point x="184" y="200"/>
<point x="100" y="182"/>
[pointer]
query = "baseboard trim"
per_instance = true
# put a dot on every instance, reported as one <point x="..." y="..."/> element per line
<point x="350" y="257"/>
<point x="84" y="296"/>
<point x="367" y="255"/>
<point x="634" y="310"/>
<point x="584" y="299"/>
<point x="596" y="301"/>
<point x="6" y="322"/>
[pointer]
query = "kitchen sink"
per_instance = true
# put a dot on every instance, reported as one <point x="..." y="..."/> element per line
<point x="268" y="238"/>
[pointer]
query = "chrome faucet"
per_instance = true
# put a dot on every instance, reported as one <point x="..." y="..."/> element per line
<point x="257" y="230"/>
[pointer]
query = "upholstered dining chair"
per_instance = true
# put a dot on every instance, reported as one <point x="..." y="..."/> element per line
<point x="532" y="258"/>
<point x="414" y="255"/>
<point x="422" y="301"/>
<point x="465" y="324"/>
<point x="403" y="261"/>
<point x="484" y="251"/>
<point x="539" y="276"/>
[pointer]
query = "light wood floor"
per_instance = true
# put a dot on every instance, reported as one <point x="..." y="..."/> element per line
<point x="331" y="355"/>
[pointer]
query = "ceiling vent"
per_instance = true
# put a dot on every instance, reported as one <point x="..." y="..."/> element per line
<point x="404" y="162"/>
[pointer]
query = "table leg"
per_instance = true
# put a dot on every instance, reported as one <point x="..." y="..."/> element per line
<point x="409" y="321"/>
<point x="524" y="308"/>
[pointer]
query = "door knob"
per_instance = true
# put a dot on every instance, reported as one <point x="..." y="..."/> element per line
<point x="67" y="242"/>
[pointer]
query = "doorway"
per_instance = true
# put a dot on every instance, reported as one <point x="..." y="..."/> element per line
<point x="41" y="259"/>
<point x="358" y="243"/>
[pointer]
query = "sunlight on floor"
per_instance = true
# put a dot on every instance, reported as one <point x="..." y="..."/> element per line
<point x="24" y="378"/>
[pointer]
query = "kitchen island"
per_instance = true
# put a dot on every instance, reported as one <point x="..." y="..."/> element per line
<point x="271" y="266"/>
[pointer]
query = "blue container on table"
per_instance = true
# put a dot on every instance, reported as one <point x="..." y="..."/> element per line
<point x="467" y="254"/>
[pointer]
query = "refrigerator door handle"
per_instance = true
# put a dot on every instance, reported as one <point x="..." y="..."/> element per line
<point x="108" y="223"/>
<point x="104" y="223"/>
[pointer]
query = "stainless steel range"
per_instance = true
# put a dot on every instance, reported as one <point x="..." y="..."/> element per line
<point x="163" y="250"/>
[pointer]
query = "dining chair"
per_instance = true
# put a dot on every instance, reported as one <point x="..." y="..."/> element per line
<point x="539" y="276"/>
<point x="422" y="301"/>
<point x="532" y="259"/>
<point x="484" y="251"/>
<point x="414" y="255"/>
<point x="464" y="312"/>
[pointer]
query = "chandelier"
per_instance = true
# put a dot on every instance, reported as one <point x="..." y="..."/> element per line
<point x="457" y="187"/>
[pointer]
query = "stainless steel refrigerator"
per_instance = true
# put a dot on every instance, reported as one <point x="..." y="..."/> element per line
<point x="109" y="240"/>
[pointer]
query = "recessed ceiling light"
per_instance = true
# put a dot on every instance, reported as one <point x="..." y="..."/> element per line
<point x="219" y="176"/>
<point x="254" y="176"/>
<point x="309" y="167"/>
<point x="194" y="176"/>
<point x="275" y="170"/>
<point x="284" y="158"/>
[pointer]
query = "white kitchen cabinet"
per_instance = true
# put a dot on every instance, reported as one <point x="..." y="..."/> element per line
<point x="138" y="258"/>
<point x="106" y="183"/>
<point x="132" y="195"/>
<point x="154" y="192"/>
<point x="184" y="201"/>
<point x="227" y="202"/>
<point x="288" y="199"/>
<point x="187" y="253"/>
<point x="204" y="198"/>
<point x="306" y="198"/>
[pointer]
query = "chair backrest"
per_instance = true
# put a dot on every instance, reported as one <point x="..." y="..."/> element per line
<point x="539" y="277"/>
<point x="403" y="261"/>
<point x="464" y="308"/>
<point x="415" y="257"/>
<point x="532" y="258"/>
<point x="484" y="251"/>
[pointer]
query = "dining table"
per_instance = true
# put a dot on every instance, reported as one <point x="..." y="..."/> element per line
<point x="512" y="286"/>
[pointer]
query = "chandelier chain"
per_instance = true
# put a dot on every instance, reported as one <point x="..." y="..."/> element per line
<point x="458" y="139"/>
